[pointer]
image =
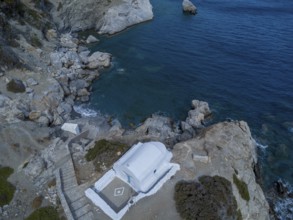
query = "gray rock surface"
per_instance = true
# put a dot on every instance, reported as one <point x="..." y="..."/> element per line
<point x="156" y="126"/>
<point x="35" y="167"/>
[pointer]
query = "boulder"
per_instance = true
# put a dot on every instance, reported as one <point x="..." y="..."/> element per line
<point x="189" y="7"/>
<point x="71" y="127"/>
<point x="84" y="56"/>
<point x="197" y="115"/>
<point x="83" y="92"/>
<point x="16" y="86"/>
<point x="68" y="41"/>
<point x="70" y="58"/>
<point x="55" y="59"/>
<point x="99" y="59"/>
<point x="43" y="120"/>
<point x="34" y="115"/>
<point x="77" y="85"/>
<point x="91" y="39"/>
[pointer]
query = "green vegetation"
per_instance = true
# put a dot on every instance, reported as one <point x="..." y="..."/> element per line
<point x="209" y="199"/>
<point x="35" y="41"/>
<point x="44" y="213"/>
<point x="105" y="153"/>
<point x="6" y="189"/>
<point x="242" y="188"/>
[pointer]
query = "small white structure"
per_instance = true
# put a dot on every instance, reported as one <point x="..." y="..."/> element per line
<point x="71" y="127"/>
<point x="141" y="172"/>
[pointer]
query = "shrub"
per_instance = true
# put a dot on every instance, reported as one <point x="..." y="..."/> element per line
<point x="44" y="213"/>
<point x="242" y="188"/>
<point x="209" y="199"/>
<point x="6" y="189"/>
<point x="35" y="41"/>
<point x="105" y="152"/>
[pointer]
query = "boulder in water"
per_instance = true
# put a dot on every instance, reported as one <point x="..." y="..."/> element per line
<point x="189" y="7"/>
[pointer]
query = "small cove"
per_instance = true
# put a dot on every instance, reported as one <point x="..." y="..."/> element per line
<point x="235" y="55"/>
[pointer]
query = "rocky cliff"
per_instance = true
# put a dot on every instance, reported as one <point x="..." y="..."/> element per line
<point x="106" y="16"/>
<point x="227" y="150"/>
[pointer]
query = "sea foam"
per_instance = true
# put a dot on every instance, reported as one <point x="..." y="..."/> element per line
<point x="85" y="111"/>
<point x="261" y="146"/>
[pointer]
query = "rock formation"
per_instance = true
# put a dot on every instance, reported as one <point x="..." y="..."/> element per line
<point x="123" y="15"/>
<point x="189" y="7"/>
<point x="107" y="17"/>
<point x="227" y="150"/>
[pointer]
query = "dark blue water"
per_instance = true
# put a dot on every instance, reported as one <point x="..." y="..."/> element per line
<point x="237" y="55"/>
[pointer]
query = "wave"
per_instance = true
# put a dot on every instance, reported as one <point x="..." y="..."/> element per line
<point x="261" y="146"/>
<point x="85" y="111"/>
<point x="283" y="207"/>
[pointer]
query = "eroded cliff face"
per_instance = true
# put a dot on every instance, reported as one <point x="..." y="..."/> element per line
<point x="227" y="150"/>
<point x="106" y="16"/>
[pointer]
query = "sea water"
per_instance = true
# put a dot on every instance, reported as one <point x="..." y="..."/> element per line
<point x="236" y="55"/>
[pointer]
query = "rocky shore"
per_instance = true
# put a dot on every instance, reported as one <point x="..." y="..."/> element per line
<point x="46" y="70"/>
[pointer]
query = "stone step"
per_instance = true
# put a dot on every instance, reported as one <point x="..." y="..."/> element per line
<point x="68" y="174"/>
<point x="87" y="216"/>
<point x="69" y="186"/>
<point x="69" y="180"/>
<point x="78" y="204"/>
<point x="67" y="169"/>
<point x="82" y="211"/>
<point x="74" y="195"/>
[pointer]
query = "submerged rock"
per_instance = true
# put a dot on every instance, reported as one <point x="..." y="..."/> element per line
<point x="189" y="7"/>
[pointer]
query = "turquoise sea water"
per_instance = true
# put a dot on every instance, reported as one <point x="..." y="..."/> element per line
<point x="236" y="55"/>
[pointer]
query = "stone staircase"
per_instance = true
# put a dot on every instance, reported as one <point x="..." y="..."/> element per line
<point x="78" y="207"/>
